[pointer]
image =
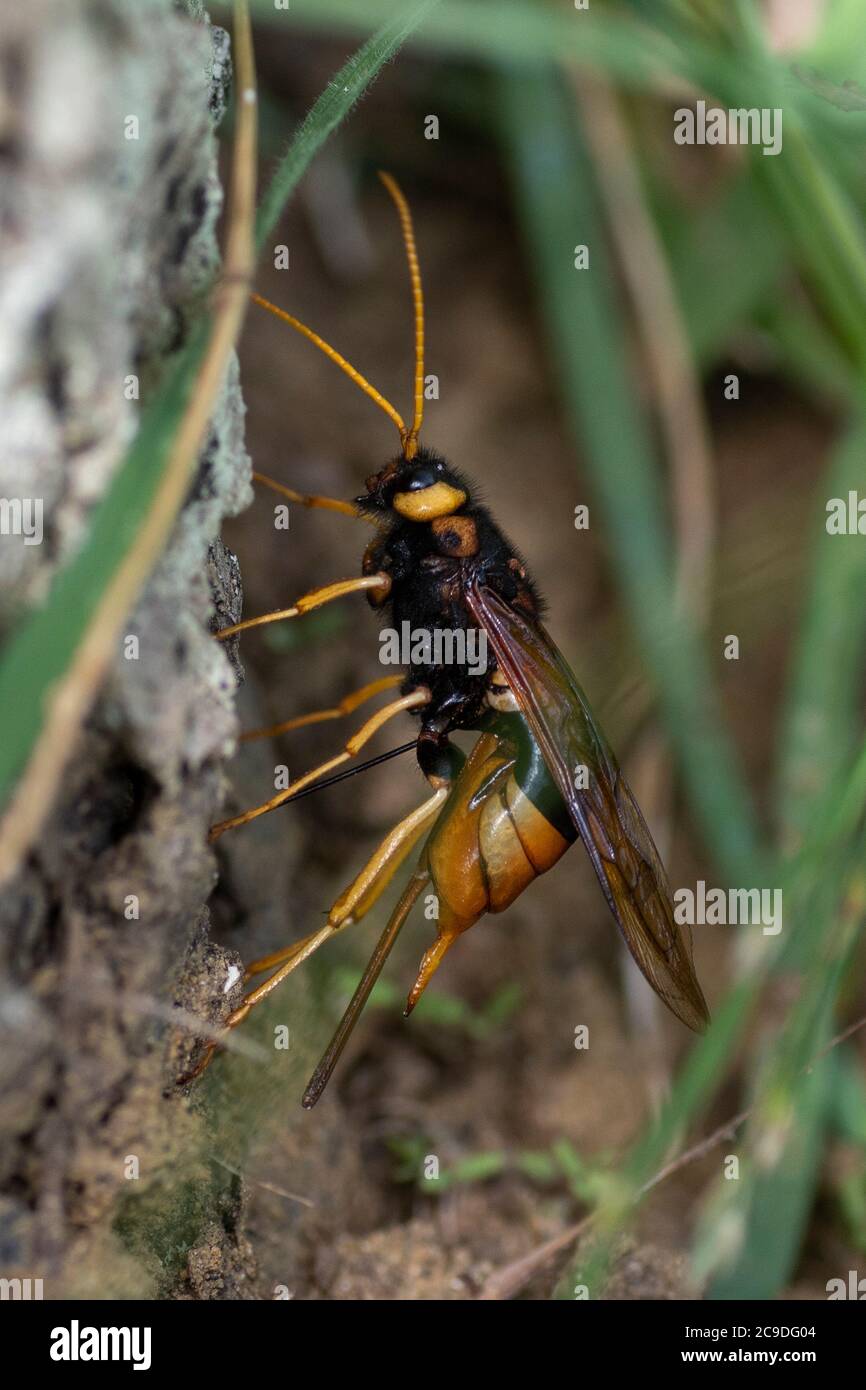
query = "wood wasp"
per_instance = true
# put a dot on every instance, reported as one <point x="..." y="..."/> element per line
<point x="540" y="774"/>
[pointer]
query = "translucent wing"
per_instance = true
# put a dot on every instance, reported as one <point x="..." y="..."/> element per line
<point x="605" y="812"/>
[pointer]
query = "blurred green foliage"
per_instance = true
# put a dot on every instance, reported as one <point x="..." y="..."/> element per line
<point x="438" y="1008"/>
<point x="779" y="249"/>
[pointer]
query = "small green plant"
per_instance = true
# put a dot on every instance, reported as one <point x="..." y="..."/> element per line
<point x="437" y="1008"/>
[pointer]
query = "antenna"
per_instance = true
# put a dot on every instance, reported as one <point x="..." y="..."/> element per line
<point x="336" y="357"/>
<point x="408" y="437"/>
<point x="410" y="442"/>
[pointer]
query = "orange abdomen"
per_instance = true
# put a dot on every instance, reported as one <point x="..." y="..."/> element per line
<point x="490" y="841"/>
<point x="485" y="851"/>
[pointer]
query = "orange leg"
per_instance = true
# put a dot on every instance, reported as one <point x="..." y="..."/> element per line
<point x="430" y="963"/>
<point x="352" y="746"/>
<point x="346" y="706"/>
<point x="314" y="599"/>
<point x="448" y="929"/>
<point x="350" y="907"/>
<point x="321" y="1076"/>
<point x="311" y="499"/>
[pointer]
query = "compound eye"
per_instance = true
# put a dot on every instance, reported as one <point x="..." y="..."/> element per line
<point x="423" y="477"/>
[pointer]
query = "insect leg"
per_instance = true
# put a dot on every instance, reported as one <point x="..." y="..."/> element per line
<point x="346" y="706"/>
<point x="441" y="761"/>
<point x="295" y="956"/>
<point x="321" y="1076"/>
<point x="353" y="745"/>
<point x="373" y="879"/>
<point x="448" y="932"/>
<point x="312" y="499"/>
<point x="349" y="908"/>
<point x="380" y="583"/>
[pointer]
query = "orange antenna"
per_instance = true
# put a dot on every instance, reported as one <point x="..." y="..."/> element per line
<point x="341" y="362"/>
<point x="410" y="437"/>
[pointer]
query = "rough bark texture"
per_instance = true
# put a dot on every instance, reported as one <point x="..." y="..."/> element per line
<point x="108" y="244"/>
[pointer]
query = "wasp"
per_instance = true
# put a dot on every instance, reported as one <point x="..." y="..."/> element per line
<point x="540" y="775"/>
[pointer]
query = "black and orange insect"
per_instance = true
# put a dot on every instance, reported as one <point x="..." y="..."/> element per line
<point x="540" y="774"/>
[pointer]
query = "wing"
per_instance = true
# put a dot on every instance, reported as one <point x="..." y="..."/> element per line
<point x="606" y="814"/>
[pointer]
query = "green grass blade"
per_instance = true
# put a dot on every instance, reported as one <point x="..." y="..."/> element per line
<point x="750" y="1234"/>
<point x="773" y="1218"/>
<point x="806" y="183"/>
<point x="822" y="719"/>
<point x="333" y="106"/>
<point x="726" y="259"/>
<point x="39" y="652"/>
<point x="766" y="1211"/>
<point x="553" y="180"/>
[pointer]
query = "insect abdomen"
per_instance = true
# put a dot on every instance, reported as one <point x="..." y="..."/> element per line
<point x="517" y="843"/>
<point x="491" y="840"/>
<point x="487" y="850"/>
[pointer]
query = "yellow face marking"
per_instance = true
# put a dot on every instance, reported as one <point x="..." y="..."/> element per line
<point x="439" y="499"/>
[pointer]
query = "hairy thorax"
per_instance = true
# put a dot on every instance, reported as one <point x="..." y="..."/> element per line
<point x="430" y="566"/>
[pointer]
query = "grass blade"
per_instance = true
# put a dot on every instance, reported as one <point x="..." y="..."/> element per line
<point x="333" y="106"/>
<point x="554" y="183"/>
<point x="822" y="719"/>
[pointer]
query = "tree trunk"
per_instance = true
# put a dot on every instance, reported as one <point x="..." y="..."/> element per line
<point x="109" y="199"/>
